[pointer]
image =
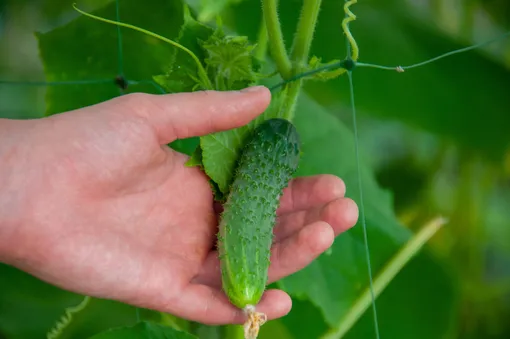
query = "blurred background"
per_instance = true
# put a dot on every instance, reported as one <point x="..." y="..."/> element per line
<point x="436" y="138"/>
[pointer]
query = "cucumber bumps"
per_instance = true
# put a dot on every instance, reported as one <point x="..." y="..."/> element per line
<point x="267" y="162"/>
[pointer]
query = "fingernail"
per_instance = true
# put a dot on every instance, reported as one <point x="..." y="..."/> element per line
<point x="252" y="89"/>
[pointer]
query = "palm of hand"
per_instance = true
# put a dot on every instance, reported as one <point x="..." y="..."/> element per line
<point x="134" y="224"/>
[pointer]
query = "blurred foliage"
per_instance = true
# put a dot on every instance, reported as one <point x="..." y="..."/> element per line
<point x="434" y="138"/>
<point x="144" y="330"/>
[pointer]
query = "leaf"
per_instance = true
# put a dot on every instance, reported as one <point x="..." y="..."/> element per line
<point x="195" y="159"/>
<point x="29" y="308"/>
<point x="315" y="63"/>
<point x="231" y="61"/>
<point x="86" y="49"/>
<point x="220" y="151"/>
<point x="462" y="99"/>
<point x="333" y="282"/>
<point x="144" y="330"/>
<point x="303" y="312"/>
<point x="181" y="73"/>
<point x="186" y="146"/>
<point x="211" y="8"/>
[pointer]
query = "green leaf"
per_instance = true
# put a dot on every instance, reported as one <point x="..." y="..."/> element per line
<point x="231" y="61"/>
<point x="462" y="99"/>
<point x="144" y="330"/>
<point x="220" y="151"/>
<point x="86" y="49"/>
<point x="211" y="8"/>
<point x="181" y="74"/>
<point x="196" y="158"/>
<point x="303" y="311"/>
<point x="333" y="282"/>
<point x="29" y="308"/>
<point x="186" y="146"/>
<point x="316" y="62"/>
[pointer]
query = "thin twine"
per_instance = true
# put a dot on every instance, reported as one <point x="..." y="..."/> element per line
<point x="462" y="50"/>
<point x="362" y="205"/>
<point x="55" y="83"/>
<point x="358" y="170"/>
<point x="338" y="64"/>
<point x="120" y="55"/>
<point x="360" y="187"/>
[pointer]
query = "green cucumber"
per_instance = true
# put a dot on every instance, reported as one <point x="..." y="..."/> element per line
<point x="266" y="164"/>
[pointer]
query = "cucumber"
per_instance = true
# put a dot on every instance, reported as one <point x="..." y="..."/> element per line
<point x="265" y="166"/>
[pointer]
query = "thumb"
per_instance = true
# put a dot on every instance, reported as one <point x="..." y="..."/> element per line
<point x="184" y="115"/>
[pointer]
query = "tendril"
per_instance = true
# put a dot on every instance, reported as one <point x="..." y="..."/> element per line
<point x="201" y="71"/>
<point x="350" y="16"/>
<point x="66" y="319"/>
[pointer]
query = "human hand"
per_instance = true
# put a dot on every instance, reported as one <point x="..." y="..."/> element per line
<point x="93" y="201"/>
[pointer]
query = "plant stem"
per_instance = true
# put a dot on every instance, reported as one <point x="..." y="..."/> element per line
<point x="304" y="34"/>
<point x="393" y="267"/>
<point x="301" y="48"/>
<point x="276" y="43"/>
<point x="290" y="101"/>
<point x="234" y="332"/>
<point x="261" y="49"/>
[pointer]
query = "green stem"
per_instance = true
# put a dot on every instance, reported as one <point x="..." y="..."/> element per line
<point x="274" y="32"/>
<point x="393" y="267"/>
<point x="201" y="71"/>
<point x="261" y="49"/>
<point x="301" y="48"/>
<point x="234" y="332"/>
<point x="304" y="34"/>
<point x="290" y="102"/>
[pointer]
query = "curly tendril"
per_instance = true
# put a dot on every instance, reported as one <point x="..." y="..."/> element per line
<point x="66" y="319"/>
<point x="349" y="16"/>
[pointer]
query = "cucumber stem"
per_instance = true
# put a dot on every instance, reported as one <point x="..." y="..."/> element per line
<point x="301" y="49"/>
<point x="274" y="32"/>
<point x="304" y="34"/>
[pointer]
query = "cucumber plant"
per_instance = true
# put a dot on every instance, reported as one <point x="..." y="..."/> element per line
<point x="230" y="62"/>
<point x="220" y="61"/>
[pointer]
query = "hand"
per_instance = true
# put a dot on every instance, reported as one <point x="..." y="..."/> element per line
<point x="93" y="201"/>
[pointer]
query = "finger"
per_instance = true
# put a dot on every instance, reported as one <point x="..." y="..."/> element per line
<point x="341" y="214"/>
<point x="211" y="272"/>
<point x="210" y="305"/>
<point x="184" y="115"/>
<point x="305" y="192"/>
<point x="298" y="251"/>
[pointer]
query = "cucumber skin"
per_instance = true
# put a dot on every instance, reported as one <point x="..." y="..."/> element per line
<point x="267" y="162"/>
